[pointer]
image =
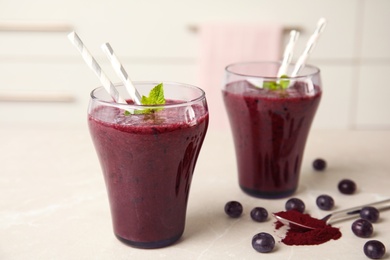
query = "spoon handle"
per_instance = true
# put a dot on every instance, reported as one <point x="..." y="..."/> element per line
<point x="353" y="212"/>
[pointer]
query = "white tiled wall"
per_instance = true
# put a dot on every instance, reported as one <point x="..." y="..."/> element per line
<point x="153" y="39"/>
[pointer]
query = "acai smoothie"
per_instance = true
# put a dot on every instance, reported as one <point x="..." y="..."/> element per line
<point x="270" y="128"/>
<point x="148" y="160"/>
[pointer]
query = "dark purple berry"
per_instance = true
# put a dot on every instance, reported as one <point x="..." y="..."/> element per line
<point x="295" y="204"/>
<point x="259" y="214"/>
<point x="362" y="228"/>
<point x="325" y="202"/>
<point x="319" y="164"/>
<point x="347" y="186"/>
<point x="374" y="249"/>
<point x="370" y="213"/>
<point x="263" y="242"/>
<point x="233" y="209"/>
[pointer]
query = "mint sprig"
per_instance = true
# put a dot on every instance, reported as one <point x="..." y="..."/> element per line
<point x="283" y="83"/>
<point x="155" y="97"/>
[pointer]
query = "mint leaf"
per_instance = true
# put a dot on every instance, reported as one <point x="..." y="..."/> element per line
<point x="281" y="84"/>
<point x="270" y="85"/>
<point x="127" y="113"/>
<point x="156" y="97"/>
<point x="284" y="83"/>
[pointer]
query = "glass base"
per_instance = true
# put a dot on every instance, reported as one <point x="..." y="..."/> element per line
<point x="149" y="245"/>
<point x="267" y="194"/>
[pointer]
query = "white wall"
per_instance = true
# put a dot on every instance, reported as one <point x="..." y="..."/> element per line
<point x="153" y="39"/>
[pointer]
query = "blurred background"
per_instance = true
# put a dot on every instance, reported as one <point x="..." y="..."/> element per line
<point x="44" y="80"/>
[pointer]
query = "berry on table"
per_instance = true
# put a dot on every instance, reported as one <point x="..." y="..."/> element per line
<point x="362" y="228"/>
<point x="263" y="242"/>
<point x="347" y="186"/>
<point x="295" y="204"/>
<point x="319" y="164"/>
<point x="370" y="213"/>
<point x="233" y="209"/>
<point x="259" y="214"/>
<point x="374" y="249"/>
<point x="325" y="202"/>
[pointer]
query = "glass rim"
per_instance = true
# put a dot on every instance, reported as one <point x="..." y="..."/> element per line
<point x="315" y="69"/>
<point x="181" y="103"/>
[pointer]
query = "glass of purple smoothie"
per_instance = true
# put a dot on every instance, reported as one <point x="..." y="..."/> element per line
<point x="270" y="119"/>
<point x="148" y="159"/>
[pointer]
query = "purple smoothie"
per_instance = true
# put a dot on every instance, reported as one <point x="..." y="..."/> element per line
<point x="270" y="128"/>
<point x="148" y="162"/>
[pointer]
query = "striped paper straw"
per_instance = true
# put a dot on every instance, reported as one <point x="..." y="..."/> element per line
<point x="92" y="63"/>
<point x="121" y="72"/>
<point x="309" y="47"/>
<point x="288" y="53"/>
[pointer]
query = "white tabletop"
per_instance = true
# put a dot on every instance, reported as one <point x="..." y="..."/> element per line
<point x="54" y="205"/>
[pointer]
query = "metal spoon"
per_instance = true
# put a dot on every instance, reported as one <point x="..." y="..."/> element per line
<point x="338" y="215"/>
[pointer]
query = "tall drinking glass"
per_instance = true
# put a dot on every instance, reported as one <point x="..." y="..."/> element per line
<point x="270" y="119"/>
<point x="148" y="155"/>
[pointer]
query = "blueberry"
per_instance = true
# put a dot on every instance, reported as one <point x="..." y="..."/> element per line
<point x="374" y="249"/>
<point x="369" y="213"/>
<point x="347" y="186"/>
<point x="263" y="242"/>
<point x="259" y="214"/>
<point x="295" y="204"/>
<point x="362" y="228"/>
<point x="325" y="202"/>
<point x="233" y="209"/>
<point x="319" y="164"/>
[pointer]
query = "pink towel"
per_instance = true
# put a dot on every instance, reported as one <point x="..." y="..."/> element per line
<point x="224" y="43"/>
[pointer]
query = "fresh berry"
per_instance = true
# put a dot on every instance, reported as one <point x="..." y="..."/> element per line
<point x="362" y="228"/>
<point x="295" y="204"/>
<point x="319" y="164"/>
<point x="233" y="209"/>
<point x="259" y="214"/>
<point x="325" y="202"/>
<point x="263" y="242"/>
<point x="347" y="186"/>
<point x="374" y="249"/>
<point x="370" y="213"/>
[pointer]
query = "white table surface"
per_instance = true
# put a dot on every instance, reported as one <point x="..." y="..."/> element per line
<point x="54" y="205"/>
